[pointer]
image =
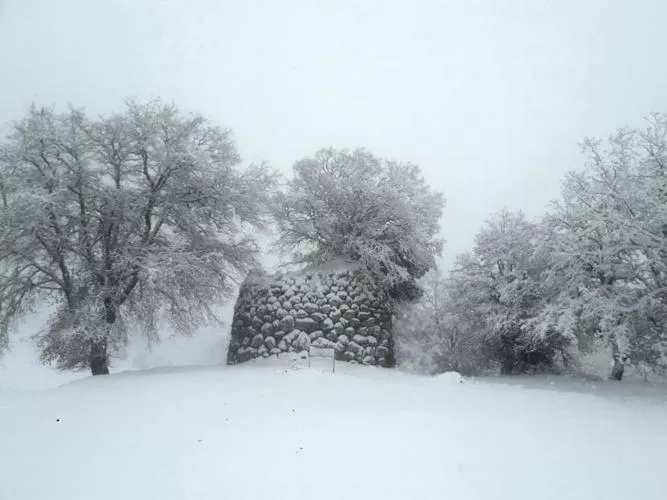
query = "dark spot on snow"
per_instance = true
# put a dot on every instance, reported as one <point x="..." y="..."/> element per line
<point x="57" y="420"/>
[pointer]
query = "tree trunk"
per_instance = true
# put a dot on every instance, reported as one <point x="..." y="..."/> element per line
<point x="617" y="370"/>
<point x="619" y="364"/>
<point x="99" y="357"/>
<point x="99" y="360"/>
<point x="507" y="366"/>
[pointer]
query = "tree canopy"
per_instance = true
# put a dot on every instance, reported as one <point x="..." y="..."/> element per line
<point x="120" y="220"/>
<point x="354" y="205"/>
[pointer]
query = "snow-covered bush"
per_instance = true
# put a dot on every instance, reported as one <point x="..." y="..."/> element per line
<point x="354" y="205"/>
<point x="119" y="221"/>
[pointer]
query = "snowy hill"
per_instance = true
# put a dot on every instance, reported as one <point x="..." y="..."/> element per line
<point x="263" y="430"/>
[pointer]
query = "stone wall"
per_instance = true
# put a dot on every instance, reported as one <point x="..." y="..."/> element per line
<point x="337" y="308"/>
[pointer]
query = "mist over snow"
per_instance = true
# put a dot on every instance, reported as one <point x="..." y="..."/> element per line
<point x="22" y="370"/>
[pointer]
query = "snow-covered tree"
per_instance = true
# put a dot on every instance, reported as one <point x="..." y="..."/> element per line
<point x="354" y="205"/>
<point x="592" y="273"/>
<point x="497" y="293"/>
<point x="119" y="221"/>
<point x="610" y="242"/>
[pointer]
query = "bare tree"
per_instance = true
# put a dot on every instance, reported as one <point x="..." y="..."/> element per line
<point x="118" y="221"/>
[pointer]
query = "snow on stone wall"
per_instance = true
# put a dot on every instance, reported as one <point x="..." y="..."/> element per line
<point x="323" y="307"/>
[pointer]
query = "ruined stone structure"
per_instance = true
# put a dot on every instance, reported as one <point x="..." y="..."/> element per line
<point x="335" y="307"/>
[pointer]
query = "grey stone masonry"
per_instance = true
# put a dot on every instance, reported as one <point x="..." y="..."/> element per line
<point x="337" y="308"/>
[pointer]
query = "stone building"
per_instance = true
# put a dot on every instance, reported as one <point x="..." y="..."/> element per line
<point x="333" y="306"/>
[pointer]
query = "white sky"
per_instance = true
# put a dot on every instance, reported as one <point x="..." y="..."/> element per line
<point x="489" y="97"/>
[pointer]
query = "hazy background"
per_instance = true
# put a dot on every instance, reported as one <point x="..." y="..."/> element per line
<point x="490" y="97"/>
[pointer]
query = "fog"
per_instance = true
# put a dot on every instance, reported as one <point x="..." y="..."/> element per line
<point x="490" y="98"/>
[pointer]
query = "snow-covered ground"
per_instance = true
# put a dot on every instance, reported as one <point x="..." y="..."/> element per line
<point x="266" y="431"/>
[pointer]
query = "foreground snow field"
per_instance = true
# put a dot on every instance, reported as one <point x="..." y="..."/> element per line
<point x="263" y="430"/>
